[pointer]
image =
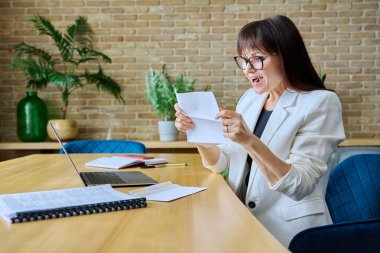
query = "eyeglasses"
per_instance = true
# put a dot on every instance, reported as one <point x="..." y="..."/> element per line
<point x="255" y="62"/>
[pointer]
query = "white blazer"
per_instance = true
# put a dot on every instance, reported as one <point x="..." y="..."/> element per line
<point x="303" y="130"/>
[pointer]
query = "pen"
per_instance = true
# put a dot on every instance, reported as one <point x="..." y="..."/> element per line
<point x="177" y="164"/>
<point x="164" y="165"/>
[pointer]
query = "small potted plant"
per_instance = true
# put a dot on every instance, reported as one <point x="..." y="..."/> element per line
<point x="160" y="90"/>
<point x="64" y="67"/>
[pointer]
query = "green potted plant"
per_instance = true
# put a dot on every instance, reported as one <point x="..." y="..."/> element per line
<point x="160" y="90"/>
<point x="64" y="68"/>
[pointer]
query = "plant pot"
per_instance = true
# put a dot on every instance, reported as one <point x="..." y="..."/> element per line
<point x="66" y="129"/>
<point x="167" y="131"/>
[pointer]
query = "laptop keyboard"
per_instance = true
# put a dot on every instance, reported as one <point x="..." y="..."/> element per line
<point x="104" y="178"/>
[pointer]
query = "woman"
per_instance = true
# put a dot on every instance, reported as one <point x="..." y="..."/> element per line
<point x="284" y="131"/>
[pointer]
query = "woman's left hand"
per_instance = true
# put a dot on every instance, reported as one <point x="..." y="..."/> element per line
<point x="234" y="127"/>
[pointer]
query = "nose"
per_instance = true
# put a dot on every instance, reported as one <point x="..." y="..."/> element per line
<point x="249" y="69"/>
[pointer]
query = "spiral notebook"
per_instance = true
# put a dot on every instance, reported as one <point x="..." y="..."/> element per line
<point x="32" y="206"/>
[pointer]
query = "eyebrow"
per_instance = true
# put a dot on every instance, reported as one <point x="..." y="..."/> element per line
<point x="255" y="53"/>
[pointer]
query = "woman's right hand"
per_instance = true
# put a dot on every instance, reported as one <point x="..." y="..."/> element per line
<point x="182" y="122"/>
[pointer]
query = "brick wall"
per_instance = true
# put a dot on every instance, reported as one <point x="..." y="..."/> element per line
<point x="196" y="38"/>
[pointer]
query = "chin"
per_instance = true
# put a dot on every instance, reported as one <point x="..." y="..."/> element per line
<point x="259" y="90"/>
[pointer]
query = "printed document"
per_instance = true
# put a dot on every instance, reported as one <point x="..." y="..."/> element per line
<point x="11" y="204"/>
<point x="201" y="107"/>
<point x="166" y="191"/>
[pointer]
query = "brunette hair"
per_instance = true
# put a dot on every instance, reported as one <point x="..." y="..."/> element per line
<point x="279" y="35"/>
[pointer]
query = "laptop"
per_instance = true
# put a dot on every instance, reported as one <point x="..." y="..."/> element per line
<point x="114" y="178"/>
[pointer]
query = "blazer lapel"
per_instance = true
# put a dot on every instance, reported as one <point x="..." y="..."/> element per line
<point x="254" y="111"/>
<point x="278" y="116"/>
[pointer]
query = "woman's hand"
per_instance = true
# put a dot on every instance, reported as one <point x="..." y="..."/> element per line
<point x="182" y="122"/>
<point x="234" y="127"/>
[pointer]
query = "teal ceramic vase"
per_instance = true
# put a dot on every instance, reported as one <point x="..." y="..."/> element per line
<point x="32" y="117"/>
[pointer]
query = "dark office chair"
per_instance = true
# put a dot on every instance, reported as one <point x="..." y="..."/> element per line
<point x="353" y="199"/>
<point x="104" y="146"/>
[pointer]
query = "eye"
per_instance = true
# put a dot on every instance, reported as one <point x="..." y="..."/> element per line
<point x="258" y="58"/>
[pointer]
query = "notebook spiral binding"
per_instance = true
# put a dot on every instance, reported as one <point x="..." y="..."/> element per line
<point x="79" y="210"/>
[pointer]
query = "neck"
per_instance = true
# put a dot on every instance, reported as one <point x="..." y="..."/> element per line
<point x="274" y="96"/>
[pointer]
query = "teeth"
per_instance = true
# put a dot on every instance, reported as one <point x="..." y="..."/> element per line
<point x="255" y="80"/>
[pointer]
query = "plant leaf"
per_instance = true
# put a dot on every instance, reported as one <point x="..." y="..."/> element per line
<point x="45" y="27"/>
<point x="37" y="71"/>
<point x="89" y="54"/>
<point x="80" y="34"/>
<point x="23" y="49"/>
<point x="105" y="83"/>
<point x="65" y="81"/>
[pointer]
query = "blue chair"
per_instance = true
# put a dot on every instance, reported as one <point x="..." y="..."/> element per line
<point x="349" y="237"/>
<point x="353" y="199"/>
<point x="104" y="146"/>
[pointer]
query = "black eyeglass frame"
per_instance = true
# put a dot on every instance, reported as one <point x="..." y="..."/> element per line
<point x="262" y="59"/>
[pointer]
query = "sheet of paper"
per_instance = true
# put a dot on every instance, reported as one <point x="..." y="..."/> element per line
<point x="166" y="191"/>
<point x="113" y="162"/>
<point x="201" y="107"/>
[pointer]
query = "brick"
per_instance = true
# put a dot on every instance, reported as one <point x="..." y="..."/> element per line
<point x="87" y="11"/>
<point x="122" y="3"/>
<point x="135" y="24"/>
<point x="351" y="13"/>
<point x="136" y="10"/>
<point x="125" y="17"/>
<point x="173" y="16"/>
<point x="222" y="2"/>
<point x="212" y="23"/>
<point x="166" y="24"/>
<point x="372" y="27"/>
<point x="23" y="4"/>
<point x="212" y="9"/>
<point x="48" y="4"/>
<point x="248" y="16"/>
<point x="223" y="16"/>
<point x="65" y="11"/>
<point x="288" y="7"/>
<point x="186" y="23"/>
<point x="150" y="17"/>
<point x="365" y="6"/>
<point x="312" y="7"/>
<point x="197" y="30"/>
<point x="73" y="3"/>
<point x="324" y="14"/>
<point x="111" y="25"/>
<point x="11" y="12"/>
<point x="187" y="9"/>
<point x="33" y="12"/>
<point x="97" y="3"/>
<point x="6" y="4"/>
<point x="338" y="36"/>
<point x="339" y="6"/>
<point x="112" y="10"/>
<point x="324" y="28"/>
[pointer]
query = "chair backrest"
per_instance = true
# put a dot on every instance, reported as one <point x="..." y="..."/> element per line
<point x="353" y="190"/>
<point x="104" y="146"/>
<point x="342" y="153"/>
<point x="359" y="236"/>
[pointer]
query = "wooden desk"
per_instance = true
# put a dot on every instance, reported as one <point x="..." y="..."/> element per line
<point x="210" y="221"/>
